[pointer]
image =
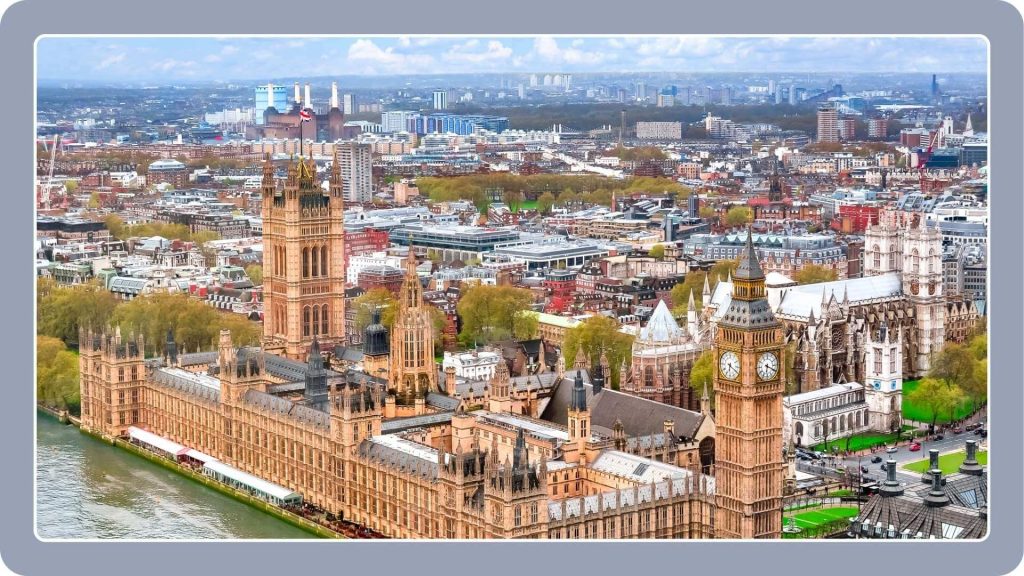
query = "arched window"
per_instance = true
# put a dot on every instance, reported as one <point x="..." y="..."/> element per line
<point x="799" y="428"/>
<point x="305" y="321"/>
<point x="323" y="263"/>
<point x="858" y="419"/>
<point x="878" y="256"/>
<point x="834" y="427"/>
<point x="324" y="325"/>
<point x="316" y="316"/>
<point x="931" y="260"/>
<point x="305" y="262"/>
<point x="649" y="376"/>
<point x="314" y="263"/>
<point x="849" y="421"/>
<point x="842" y="424"/>
<point x="915" y="261"/>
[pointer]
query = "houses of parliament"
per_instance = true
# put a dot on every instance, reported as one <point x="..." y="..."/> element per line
<point x="379" y="437"/>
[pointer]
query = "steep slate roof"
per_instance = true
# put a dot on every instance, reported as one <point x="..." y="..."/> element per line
<point x="299" y="412"/>
<point x="749" y="268"/>
<point x="173" y="379"/>
<point x="800" y="301"/>
<point x="640" y="417"/>
<point x="401" y="454"/>
<point x="662" y="327"/>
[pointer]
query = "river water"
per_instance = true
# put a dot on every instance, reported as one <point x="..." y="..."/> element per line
<point x="88" y="489"/>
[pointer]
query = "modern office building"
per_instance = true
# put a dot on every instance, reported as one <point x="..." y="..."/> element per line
<point x="357" y="170"/>
<point x="659" y="130"/>
<point x="269" y="96"/>
<point x="828" y="123"/>
<point x="440" y="99"/>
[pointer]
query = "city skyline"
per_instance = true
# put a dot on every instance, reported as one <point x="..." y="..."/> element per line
<point x="233" y="58"/>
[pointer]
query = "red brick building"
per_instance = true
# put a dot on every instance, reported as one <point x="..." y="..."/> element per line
<point x="365" y="241"/>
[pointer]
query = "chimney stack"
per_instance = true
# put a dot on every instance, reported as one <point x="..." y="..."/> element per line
<point x="890" y="487"/>
<point x="933" y="463"/>
<point x="270" y="95"/>
<point x="334" y="95"/>
<point x="971" y="465"/>
<point x="308" y="103"/>
<point x="937" y="497"/>
<point x="298" y="98"/>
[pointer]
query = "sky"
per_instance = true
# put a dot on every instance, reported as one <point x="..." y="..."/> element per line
<point x="135" y="59"/>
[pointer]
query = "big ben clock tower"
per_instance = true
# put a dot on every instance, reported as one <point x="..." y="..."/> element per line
<point x="749" y="466"/>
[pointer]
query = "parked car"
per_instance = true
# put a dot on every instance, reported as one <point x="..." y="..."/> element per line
<point x="890" y="450"/>
<point x="876" y="459"/>
<point x="939" y="436"/>
<point x="864" y="469"/>
<point x="957" y="431"/>
<point x="915" y="447"/>
<point x="978" y="431"/>
<point x="974" y="426"/>
<point x="983" y="433"/>
<point x="883" y="467"/>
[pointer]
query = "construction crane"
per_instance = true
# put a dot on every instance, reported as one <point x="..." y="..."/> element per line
<point x="923" y="161"/>
<point x="45" y="192"/>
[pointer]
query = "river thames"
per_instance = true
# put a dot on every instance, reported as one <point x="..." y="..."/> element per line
<point x="88" y="489"/>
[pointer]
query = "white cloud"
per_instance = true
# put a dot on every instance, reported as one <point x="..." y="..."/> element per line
<point x="174" y="65"/>
<point x="404" y="41"/>
<point x="495" y="50"/>
<point x="548" y="49"/>
<point x="379" y="59"/>
<point x="229" y="50"/>
<point x="111" y="60"/>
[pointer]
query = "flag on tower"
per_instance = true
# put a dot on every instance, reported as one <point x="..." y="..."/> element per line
<point x="305" y="115"/>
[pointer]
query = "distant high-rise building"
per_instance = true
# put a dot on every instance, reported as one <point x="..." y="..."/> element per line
<point x="771" y="87"/>
<point x="935" y="88"/>
<point x="349" y="104"/>
<point x="440" y="100"/>
<point x="665" y="100"/>
<point x="270" y="96"/>
<point x="878" y="127"/>
<point x="727" y="96"/>
<point x="683" y="97"/>
<point x="847" y="129"/>
<point x="522" y="92"/>
<point x="828" y="123"/>
<point x="792" y="95"/>
<point x="778" y="94"/>
<point x="533" y="80"/>
<point x="356" y="161"/>
<point x="396" y="120"/>
<point x="641" y="91"/>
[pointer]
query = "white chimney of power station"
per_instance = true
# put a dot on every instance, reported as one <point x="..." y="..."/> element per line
<point x="308" y="101"/>
<point x="270" y="95"/>
<point x="298" y="98"/>
<point x="334" y="95"/>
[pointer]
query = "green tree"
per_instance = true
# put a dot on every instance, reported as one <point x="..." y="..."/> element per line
<point x="94" y="200"/>
<point x="544" y="202"/>
<point x="657" y="252"/>
<point x="595" y="335"/>
<point x="979" y="346"/>
<point x="61" y="310"/>
<point x="492" y="313"/>
<point x="706" y="212"/>
<point x="56" y="375"/>
<point x="371" y="300"/>
<point x="694" y="280"/>
<point x="71" y="186"/>
<point x="115" y="225"/>
<point x="255" y="274"/>
<point x="703" y="372"/>
<point x="813" y="273"/>
<point x="936" y="398"/>
<point x="738" y="215"/>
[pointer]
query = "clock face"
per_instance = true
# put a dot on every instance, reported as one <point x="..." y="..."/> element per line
<point x="767" y="366"/>
<point x="729" y="365"/>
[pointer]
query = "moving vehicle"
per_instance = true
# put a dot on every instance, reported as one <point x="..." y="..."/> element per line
<point x="890" y="450"/>
<point x="939" y="436"/>
<point x="876" y="459"/>
<point x="915" y="447"/>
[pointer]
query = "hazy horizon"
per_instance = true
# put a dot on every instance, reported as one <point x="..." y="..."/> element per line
<point x="232" y="59"/>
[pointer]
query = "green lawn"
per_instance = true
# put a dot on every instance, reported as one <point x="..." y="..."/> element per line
<point x="528" y="205"/>
<point x="921" y="414"/>
<point x="948" y="463"/>
<point x="860" y="441"/>
<point x="814" y="518"/>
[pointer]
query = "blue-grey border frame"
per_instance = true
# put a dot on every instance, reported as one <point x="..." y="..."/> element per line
<point x="997" y="21"/>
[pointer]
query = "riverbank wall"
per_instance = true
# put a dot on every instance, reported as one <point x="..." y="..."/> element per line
<point x="283" y="515"/>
